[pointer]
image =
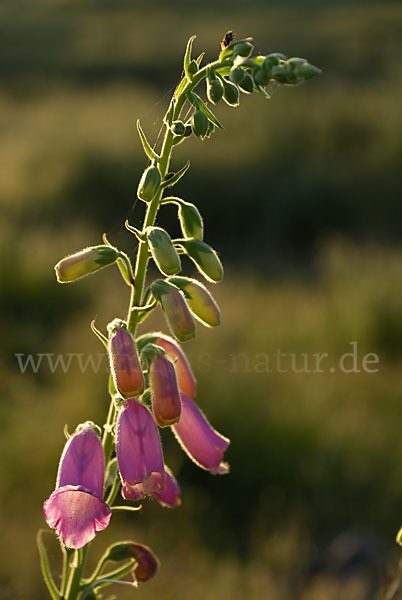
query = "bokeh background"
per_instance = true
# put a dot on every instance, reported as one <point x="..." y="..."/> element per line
<point x="301" y="195"/>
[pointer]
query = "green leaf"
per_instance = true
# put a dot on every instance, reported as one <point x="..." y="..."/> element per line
<point x="145" y="144"/>
<point x="187" y="57"/>
<point x="176" y="177"/>
<point x="210" y="115"/>
<point x="44" y="563"/>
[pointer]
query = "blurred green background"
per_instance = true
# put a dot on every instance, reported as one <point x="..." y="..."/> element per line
<point x="301" y="195"/>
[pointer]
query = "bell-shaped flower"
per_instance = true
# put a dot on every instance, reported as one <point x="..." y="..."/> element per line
<point x="203" y="444"/>
<point x="170" y="495"/>
<point x="166" y="401"/>
<point x="76" y="509"/>
<point x="185" y="377"/>
<point x="139" y="451"/>
<point x="124" y="361"/>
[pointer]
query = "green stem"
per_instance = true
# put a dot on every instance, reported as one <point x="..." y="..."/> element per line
<point x="74" y="584"/>
<point x="66" y="566"/>
<point x="44" y="563"/>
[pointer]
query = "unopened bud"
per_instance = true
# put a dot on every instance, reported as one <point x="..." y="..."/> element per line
<point x="191" y="222"/>
<point x="163" y="251"/>
<point x="185" y="376"/>
<point x="178" y="128"/>
<point x="205" y="259"/>
<point x="199" y="300"/>
<point x="192" y="68"/>
<point x="85" y="262"/>
<point x="176" y="311"/>
<point x="124" y="362"/>
<point x="214" y="90"/>
<point x="199" y="124"/>
<point x="261" y="77"/>
<point x="149" y="183"/>
<point x="230" y="93"/>
<point x="247" y="83"/>
<point x="236" y="75"/>
<point x="272" y="59"/>
<point x="166" y="403"/>
<point x="147" y="563"/>
<point x="242" y="48"/>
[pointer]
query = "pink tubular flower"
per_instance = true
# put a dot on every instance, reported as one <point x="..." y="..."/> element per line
<point x="166" y="401"/>
<point x="124" y="362"/>
<point x="139" y="451"/>
<point x="185" y="377"/>
<point x="199" y="440"/>
<point x="76" y="509"/>
<point x="170" y="495"/>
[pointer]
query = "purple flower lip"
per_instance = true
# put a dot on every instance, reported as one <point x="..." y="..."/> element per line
<point x="170" y="495"/>
<point x="76" y="509"/>
<point x="139" y="451"/>
<point x="201" y="442"/>
<point x="185" y="377"/>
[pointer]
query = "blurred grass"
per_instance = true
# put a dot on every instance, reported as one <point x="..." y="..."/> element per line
<point x="300" y="194"/>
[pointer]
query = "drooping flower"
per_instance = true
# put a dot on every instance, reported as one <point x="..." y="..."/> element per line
<point x="170" y="495"/>
<point x="124" y="361"/>
<point x="203" y="444"/>
<point x="185" y="377"/>
<point x="146" y="563"/>
<point x="76" y="509"/>
<point x="139" y="451"/>
<point x="166" y="401"/>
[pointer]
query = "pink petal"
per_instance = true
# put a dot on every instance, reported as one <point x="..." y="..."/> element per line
<point x="82" y="461"/>
<point x="166" y="402"/>
<point x="203" y="444"/>
<point x="77" y="515"/>
<point x="170" y="495"/>
<point x="185" y="377"/>
<point x="139" y="451"/>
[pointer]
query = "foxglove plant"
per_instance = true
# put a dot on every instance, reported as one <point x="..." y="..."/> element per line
<point x="151" y="382"/>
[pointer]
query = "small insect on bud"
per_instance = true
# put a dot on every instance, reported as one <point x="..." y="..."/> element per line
<point x="163" y="251"/>
<point x="205" y="259"/>
<point x="166" y="403"/>
<point x="176" y="311"/>
<point x="261" y="77"/>
<point x="236" y="75"/>
<point x="199" y="124"/>
<point x="178" y="128"/>
<point x="149" y="183"/>
<point x="247" y="84"/>
<point x="200" y="301"/>
<point x="214" y="90"/>
<point x="191" y="222"/>
<point x="230" y="93"/>
<point x="85" y="262"/>
<point x="124" y="361"/>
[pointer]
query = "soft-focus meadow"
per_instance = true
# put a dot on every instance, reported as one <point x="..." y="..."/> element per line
<point x="301" y="195"/>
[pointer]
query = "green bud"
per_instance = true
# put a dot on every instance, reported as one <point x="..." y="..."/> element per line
<point x="242" y="48"/>
<point x="214" y="90"/>
<point x="149" y="183"/>
<point x="199" y="124"/>
<point x="163" y="251"/>
<point x="192" y="68"/>
<point x="178" y="128"/>
<point x="283" y="74"/>
<point x="230" y="93"/>
<point x="188" y="130"/>
<point x="85" y="262"/>
<point x="303" y="69"/>
<point x="176" y="311"/>
<point x="199" y="300"/>
<point x="247" y="83"/>
<point x="261" y="77"/>
<point x="205" y="259"/>
<point x="272" y="59"/>
<point x="146" y="561"/>
<point x="191" y="222"/>
<point x="236" y="75"/>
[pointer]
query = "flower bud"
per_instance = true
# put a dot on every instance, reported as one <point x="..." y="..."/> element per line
<point x="214" y="90"/>
<point x="149" y="183"/>
<point x="147" y="563"/>
<point x="199" y="124"/>
<point x="163" y="251"/>
<point x="242" y="48"/>
<point x="247" y="83"/>
<point x="178" y="128"/>
<point x="205" y="259"/>
<point x="124" y="362"/>
<point x="166" y="403"/>
<point x="261" y="77"/>
<point x="236" y="75"/>
<point x="283" y="73"/>
<point x="272" y="59"/>
<point x="303" y="69"/>
<point x="191" y="222"/>
<point x="230" y="93"/>
<point x="176" y="311"/>
<point x="85" y="262"/>
<point x="199" y="300"/>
